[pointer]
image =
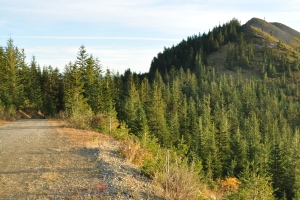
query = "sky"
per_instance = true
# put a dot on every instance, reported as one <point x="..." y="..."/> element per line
<point x="123" y="34"/>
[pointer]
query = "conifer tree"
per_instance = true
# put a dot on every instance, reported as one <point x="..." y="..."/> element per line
<point x="255" y="186"/>
<point x="74" y="89"/>
<point x="156" y="116"/>
<point x="192" y="133"/>
<point x="108" y="102"/>
<point x="52" y="91"/>
<point x="11" y="89"/>
<point x="33" y="87"/>
<point x="277" y="167"/>
<point x="92" y="76"/>
<point x="131" y="106"/>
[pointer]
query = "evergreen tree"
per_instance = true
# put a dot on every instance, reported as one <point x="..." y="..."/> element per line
<point x="92" y="76"/>
<point x="74" y="89"/>
<point x="238" y="146"/>
<point x="131" y="107"/>
<point x="192" y="134"/>
<point x="108" y="101"/>
<point x="33" y="86"/>
<point x="82" y="59"/>
<point x="156" y="116"/>
<point x="52" y="91"/>
<point x="11" y="89"/>
<point x="255" y="186"/>
<point x="277" y="167"/>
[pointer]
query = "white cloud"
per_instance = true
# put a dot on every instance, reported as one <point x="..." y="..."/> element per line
<point x="94" y="38"/>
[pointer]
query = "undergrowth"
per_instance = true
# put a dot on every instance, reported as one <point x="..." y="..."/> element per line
<point x="8" y="114"/>
<point x="177" y="177"/>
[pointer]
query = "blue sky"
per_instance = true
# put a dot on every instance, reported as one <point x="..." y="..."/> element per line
<point x="123" y="34"/>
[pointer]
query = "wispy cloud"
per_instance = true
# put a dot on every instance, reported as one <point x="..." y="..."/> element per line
<point x="190" y="16"/>
<point x="93" y="38"/>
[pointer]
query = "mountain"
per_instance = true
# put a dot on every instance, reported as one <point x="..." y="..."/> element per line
<point x="258" y="48"/>
<point x="277" y="30"/>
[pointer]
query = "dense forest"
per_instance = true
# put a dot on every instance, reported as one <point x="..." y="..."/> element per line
<point x="232" y="126"/>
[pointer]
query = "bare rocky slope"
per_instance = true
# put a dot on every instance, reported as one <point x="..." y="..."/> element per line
<point x="277" y="30"/>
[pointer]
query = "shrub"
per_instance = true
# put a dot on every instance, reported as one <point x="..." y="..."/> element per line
<point x="149" y="167"/>
<point x="180" y="180"/>
<point x="63" y="115"/>
<point x="230" y="185"/>
<point x="105" y="123"/>
<point x="79" y="119"/>
<point x="254" y="186"/>
<point x="133" y="152"/>
<point x="8" y="114"/>
<point x="2" y="110"/>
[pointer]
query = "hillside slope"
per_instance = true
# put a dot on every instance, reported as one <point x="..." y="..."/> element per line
<point x="277" y="30"/>
<point x="257" y="47"/>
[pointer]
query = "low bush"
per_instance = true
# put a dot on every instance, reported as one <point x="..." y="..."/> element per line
<point x="180" y="180"/>
<point x="133" y="152"/>
<point x="8" y="114"/>
<point x="80" y="119"/>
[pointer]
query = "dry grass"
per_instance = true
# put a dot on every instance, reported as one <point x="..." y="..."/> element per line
<point x="218" y="60"/>
<point x="272" y="39"/>
<point x="133" y="152"/>
<point x="88" y="138"/>
<point x="50" y="176"/>
<point x="3" y="122"/>
<point x="181" y="181"/>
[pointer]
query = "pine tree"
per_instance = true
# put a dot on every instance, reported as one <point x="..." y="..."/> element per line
<point x="25" y="78"/>
<point x="192" y="132"/>
<point x="223" y="137"/>
<point x="173" y="109"/>
<point x="92" y="76"/>
<point x="11" y="89"/>
<point x="52" y="91"/>
<point x="74" y="89"/>
<point x="238" y="146"/>
<point x="277" y="170"/>
<point x="108" y="102"/>
<point x="156" y="116"/>
<point x="230" y="57"/>
<point x="255" y="186"/>
<point x="34" y="85"/>
<point x="293" y="170"/>
<point x="82" y="59"/>
<point x="253" y="139"/>
<point x="131" y="106"/>
<point x="241" y="43"/>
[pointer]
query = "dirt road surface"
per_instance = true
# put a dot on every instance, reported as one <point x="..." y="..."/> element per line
<point x="39" y="162"/>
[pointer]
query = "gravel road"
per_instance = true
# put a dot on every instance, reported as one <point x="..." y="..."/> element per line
<point x="39" y="162"/>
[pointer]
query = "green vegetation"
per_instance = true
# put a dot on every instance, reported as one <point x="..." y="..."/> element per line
<point x="226" y="131"/>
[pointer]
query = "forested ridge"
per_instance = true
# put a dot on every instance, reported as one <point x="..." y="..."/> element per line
<point x="238" y="133"/>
